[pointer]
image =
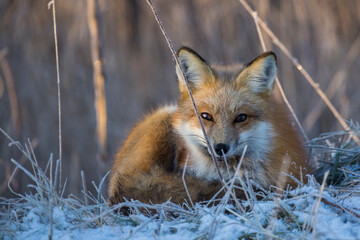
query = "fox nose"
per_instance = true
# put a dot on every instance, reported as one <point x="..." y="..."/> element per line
<point x="221" y="148"/>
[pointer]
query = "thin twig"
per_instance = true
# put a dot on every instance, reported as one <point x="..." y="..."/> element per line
<point x="324" y="200"/>
<point x="184" y="182"/>
<point x="52" y="4"/>
<point x="295" y="62"/>
<point x="173" y="52"/>
<point x="278" y="84"/>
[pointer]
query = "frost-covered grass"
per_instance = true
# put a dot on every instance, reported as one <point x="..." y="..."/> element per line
<point x="311" y="211"/>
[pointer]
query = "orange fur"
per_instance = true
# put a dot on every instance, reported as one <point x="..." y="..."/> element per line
<point x="149" y="165"/>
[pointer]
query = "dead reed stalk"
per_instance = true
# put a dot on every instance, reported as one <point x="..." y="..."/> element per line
<point x="11" y="89"/>
<point x="184" y="78"/>
<point x="278" y="84"/>
<point x="52" y="4"/>
<point x="295" y="62"/>
<point x="94" y="23"/>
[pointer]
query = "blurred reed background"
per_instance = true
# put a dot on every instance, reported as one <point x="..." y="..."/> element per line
<point x="323" y="35"/>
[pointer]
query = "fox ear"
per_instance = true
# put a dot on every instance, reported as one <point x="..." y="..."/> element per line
<point x="195" y="68"/>
<point x="259" y="75"/>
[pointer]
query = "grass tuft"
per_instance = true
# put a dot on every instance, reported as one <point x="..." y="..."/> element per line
<point x="292" y="214"/>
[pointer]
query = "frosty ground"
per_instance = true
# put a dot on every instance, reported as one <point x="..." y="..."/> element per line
<point x="325" y="209"/>
<point x="296" y="218"/>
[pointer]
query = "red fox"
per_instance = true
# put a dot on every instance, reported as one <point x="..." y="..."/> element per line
<point x="237" y="109"/>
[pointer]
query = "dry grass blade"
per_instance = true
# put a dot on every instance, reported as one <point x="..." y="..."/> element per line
<point x="184" y="182"/>
<point x="171" y="47"/>
<point x="316" y="87"/>
<point x="52" y="4"/>
<point x="84" y="187"/>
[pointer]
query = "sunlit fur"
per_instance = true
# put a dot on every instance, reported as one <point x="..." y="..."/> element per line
<point x="172" y="136"/>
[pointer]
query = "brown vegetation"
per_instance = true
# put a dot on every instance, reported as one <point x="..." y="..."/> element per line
<point x="323" y="35"/>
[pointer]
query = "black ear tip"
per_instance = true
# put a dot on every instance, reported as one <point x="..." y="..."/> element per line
<point x="270" y="53"/>
<point x="185" y="49"/>
<point x="190" y="51"/>
<point x="264" y="55"/>
<point x="267" y="54"/>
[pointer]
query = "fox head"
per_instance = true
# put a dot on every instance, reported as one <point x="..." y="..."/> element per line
<point x="234" y="103"/>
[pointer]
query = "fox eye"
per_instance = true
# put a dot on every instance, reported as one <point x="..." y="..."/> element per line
<point x="207" y="116"/>
<point x="241" y="118"/>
